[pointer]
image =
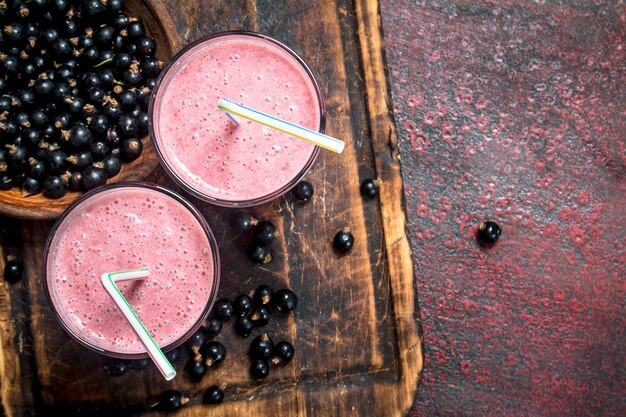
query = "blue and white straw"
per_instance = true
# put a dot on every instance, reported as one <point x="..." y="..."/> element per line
<point x="234" y="109"/>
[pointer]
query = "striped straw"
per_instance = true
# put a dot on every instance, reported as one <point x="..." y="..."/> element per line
<point x="321" y="140"/>
<point x="108" y="280"/>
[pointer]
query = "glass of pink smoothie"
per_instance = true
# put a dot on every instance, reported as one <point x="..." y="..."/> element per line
<point x="126" y="226"/>
<point x="210" y="156"/>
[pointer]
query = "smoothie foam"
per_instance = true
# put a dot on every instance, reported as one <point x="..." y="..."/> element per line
<point x="209" y="153"/>
<point x="126" y="228"/>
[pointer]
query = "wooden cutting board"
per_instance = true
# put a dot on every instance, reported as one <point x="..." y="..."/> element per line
<point x="356" y="331"/>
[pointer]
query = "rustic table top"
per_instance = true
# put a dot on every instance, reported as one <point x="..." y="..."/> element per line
<point x="515" y="111"/>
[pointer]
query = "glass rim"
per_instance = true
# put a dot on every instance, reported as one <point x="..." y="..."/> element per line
<point x="192" y="190"/>
<point x="212" y="244"/>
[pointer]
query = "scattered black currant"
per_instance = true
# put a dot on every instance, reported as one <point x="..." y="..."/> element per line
<point x="213" y="326"/>
<point x="264" y="232"/>
<point x="262" y="295"/>
<point x="303" y="191"/>
<point x="244" y="326"/>
<point x="369" y="188"/>
<point x="213" y="395"/>
<point x="223" y="309"/>
<point x="198" y="339"/>
<point x="488" y="233"/>
<point x="285" y="300"/>
<point x="196" y="369"/>
<point x="170" y="400"/>
<point x="242" y="221"/>
<point x="13" y="271"/>
<point x="117" y="367"/>
<point x="262" y="347"/>
<point x="283" y="353"/>
<point x="139" y="364"/>
<point x="260" y="254"/>
<point x="343" y="241"/>
<point x="242" y="304"/>
<point x="213" y="352"/>
<point x="173" y="355"/>
<point x="259" y="368"/>
<point x="261" y="315"/>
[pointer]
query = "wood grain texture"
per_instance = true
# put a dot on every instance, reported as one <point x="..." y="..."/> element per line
<point x="356" y="333"/>
<point x="38" y="207"/>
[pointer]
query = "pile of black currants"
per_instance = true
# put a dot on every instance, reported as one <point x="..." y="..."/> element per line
<point x="75" y="83"/>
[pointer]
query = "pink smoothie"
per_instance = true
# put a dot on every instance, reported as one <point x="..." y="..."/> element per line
<point x="124" y="228"/>
<point x="204" y="150"/>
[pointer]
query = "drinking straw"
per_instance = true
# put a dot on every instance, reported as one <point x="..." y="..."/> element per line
<point x="108" y="280"/>
<point x="327" y="142"/>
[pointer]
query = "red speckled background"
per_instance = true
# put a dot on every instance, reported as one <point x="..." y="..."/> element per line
<point x="515" y="111"/>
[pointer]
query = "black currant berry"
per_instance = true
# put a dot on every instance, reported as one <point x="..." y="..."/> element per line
<point x="242" y="304"/>
<point x="151" y="67"/>
<point x="99" y="150"/>
<point x="488" y="233"/>
<point x="136" y="29"/>
<point x="285" y="300"/>
<point x="173" y="355"/>
<point x="196" y="369"/>
<point x="264" y="232"/>
<point x="54" y="187"/>
<point x="139" y="364"/>
<point x="213" y="352"/>
<point x="262" y="295"/>
<point x="93" y="177"/>
<point x="13" y="271"/>
<point x="244" y="326"/>
<point x="117" y="367"/>
<point x="213" y="326"/>
<point x="81" y="159"/>
<point x="242" y="221"/>
<point x="259" y="254"/>
<point x="259" y="369"/>
<point x="223" y="309"/>
<point x="111" y="165"/>
<point x="79" y="136"/>
<point x="170" y="400"/>
<point x="99" y="123"/>
<point x="145" y="46"/>
<point x="260" y="316"/>
<point x="75" y="181"/>
<point x="196" y="341"/>
<point x="132" y="76"/>
<point x="131" y="149"/>
<point x="343" y="241"/>
<point x="283" y="353"/>
<point x="127" y="125"/>
<point x="122" y="61"/>
<point x="213" y="395"/>
<point x="303" y="191"/>
<point x="262" y="347"/>
<point x="57" y="162"/>
<point x="369" y="188"/>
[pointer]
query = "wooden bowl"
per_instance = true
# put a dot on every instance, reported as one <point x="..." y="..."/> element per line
<point x="159" y="25"/>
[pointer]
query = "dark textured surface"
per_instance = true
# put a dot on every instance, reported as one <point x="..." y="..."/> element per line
<point x="515" y="112"/>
